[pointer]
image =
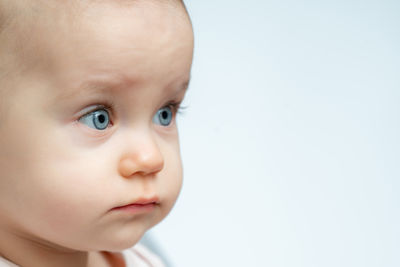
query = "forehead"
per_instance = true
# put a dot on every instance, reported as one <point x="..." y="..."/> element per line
<point x="112" y="28"/>
<point x="120" y="43"/>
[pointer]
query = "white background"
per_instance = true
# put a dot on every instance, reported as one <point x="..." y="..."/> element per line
<point x="291" y="138"/>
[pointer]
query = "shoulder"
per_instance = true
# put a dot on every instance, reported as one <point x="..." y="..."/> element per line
<point x="140" y="256"/>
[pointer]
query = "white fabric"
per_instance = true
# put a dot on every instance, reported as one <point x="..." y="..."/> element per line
<point x="6" y="263"/>
<point x="140" y="256"/>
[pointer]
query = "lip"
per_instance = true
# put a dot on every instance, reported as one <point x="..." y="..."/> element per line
<point x="141" y="205"/>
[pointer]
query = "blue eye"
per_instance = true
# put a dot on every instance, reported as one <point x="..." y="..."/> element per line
<point x="98" y="119"/>
<point x="163" y="116"/>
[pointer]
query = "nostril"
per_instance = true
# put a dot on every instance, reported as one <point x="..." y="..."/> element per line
<point x="149" y="163"/>
<point x="126" y="167"/>
<point x="142" y="163"/>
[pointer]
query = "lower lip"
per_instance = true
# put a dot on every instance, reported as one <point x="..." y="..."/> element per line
<point x="136" y="208"/>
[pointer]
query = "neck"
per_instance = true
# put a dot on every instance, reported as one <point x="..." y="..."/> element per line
<point x="24" y="251"/>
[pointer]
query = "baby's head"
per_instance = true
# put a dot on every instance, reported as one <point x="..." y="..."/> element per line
<point x="89" y="151"/>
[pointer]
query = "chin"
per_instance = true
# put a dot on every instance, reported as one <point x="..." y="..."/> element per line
<point x="123" y="243"/>
<point x="124" y="237"/>
<point x="120" y="245"/>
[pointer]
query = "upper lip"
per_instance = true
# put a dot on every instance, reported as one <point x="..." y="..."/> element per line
<point x="141" y="201"/>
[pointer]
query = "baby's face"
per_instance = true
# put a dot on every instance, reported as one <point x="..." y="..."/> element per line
<point x="91" y="126"/>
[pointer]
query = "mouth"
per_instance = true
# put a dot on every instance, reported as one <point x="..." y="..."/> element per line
<point x="141" y="205"/>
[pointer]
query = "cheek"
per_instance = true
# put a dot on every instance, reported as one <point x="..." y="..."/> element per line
<point x="68" y="198"/>
<point x="58" y="187"/>
<point x="75" y="186"/>
<point x="171" y="183"/>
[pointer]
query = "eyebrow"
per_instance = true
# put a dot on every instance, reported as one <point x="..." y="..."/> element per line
<point x="107" y="86"/>
<point x="185" y="85"/>
<point x="88" y="87"/>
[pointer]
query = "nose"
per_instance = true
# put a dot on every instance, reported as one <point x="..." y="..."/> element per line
<point x="143" y="157"/>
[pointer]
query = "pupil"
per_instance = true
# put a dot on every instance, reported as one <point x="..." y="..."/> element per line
<point x="102" y="118"/>
<point x="164" y="115"/>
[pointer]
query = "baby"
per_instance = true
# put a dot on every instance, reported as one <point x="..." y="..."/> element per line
<point x="89" y="150"/>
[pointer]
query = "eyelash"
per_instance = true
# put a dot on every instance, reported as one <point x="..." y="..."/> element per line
<point x="175" y="106"/>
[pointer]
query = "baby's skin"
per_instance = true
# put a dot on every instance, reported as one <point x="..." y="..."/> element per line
<point x="89" y="149"/>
